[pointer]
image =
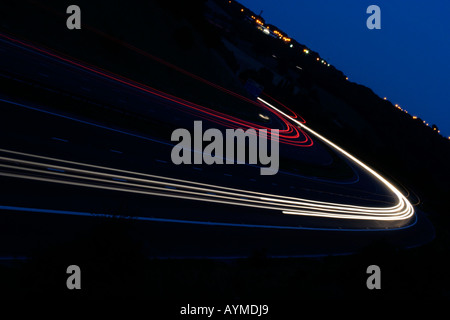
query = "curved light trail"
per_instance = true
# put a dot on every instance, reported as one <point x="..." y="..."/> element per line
<point x="295" y="133"/>
<point x="100" y="177"/>
<point x="403" y="209"/>
<point x="290" y="134"/>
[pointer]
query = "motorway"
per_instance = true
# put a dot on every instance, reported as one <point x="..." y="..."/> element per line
<point x="64" y="170"/>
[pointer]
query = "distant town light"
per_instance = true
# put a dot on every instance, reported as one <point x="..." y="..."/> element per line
<point x="414" y="117"/>
<point x="384" y="98"/>
<point x="291" y="45"/>
<point x="346" y="78"/>
<point x="242" y="10"/>
<point x="317" y="59"/>
<point x="306" y="51"/>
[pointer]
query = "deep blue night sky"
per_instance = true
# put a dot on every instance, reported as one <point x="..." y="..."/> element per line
<point x="406" y="61"/>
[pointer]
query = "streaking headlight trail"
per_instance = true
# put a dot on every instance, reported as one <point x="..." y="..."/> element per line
<point x="293" y="133"/>
<point x="402" y="211"/>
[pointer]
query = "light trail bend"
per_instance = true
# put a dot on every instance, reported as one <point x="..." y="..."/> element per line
<point x="405" y="207"/>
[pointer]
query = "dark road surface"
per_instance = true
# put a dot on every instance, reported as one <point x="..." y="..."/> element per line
<point x="63" y="172"/>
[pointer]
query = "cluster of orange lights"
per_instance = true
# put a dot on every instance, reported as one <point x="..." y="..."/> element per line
<point x="278" y="33"/>
<point x="306" y="51"/>
<point x="399" y="108"/>
<point x="321" y="60"/>
<point x="281" y="36"/>
<point x="415" y="118"/>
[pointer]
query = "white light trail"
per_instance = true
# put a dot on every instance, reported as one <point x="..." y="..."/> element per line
<point x="402" y="211"/>
<point x="100" y="177"/>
